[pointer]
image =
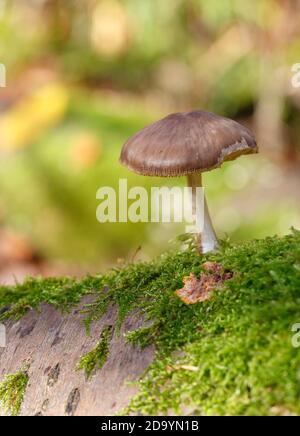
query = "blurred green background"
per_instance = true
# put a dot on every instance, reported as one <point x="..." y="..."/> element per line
<point x="82" y="76"/>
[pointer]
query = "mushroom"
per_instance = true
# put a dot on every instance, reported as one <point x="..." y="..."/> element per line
<point x="188" y="143"/>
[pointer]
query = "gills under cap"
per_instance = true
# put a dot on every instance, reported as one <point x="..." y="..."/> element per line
<point x="184" y="143"/>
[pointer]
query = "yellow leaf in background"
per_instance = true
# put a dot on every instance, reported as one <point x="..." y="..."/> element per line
<point x="29" y="117"/>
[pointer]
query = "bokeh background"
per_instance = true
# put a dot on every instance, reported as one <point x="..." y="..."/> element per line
<point x="84" y="75"/>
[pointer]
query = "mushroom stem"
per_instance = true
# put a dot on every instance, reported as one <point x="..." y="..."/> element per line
<point x="207" y="240"/>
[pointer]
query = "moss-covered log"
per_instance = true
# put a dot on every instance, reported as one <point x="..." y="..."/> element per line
<point x="236" y="351"/>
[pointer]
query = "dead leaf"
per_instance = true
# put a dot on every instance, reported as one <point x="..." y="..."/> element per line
<point x="189" y="368"/>
<point x="200" y="289"/>
<point x="172" y="368"/>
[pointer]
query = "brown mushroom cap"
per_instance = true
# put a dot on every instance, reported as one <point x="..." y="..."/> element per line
<point x="185" y="143"/>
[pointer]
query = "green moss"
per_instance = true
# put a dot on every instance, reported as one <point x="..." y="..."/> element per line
<point x="97" y="357"/>
<point x="62" y="292"/>
<point x="12" y="390"/>
<point x="229" y="355"/>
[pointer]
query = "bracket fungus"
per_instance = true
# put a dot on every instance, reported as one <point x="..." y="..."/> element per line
<point x="188" y="143"/>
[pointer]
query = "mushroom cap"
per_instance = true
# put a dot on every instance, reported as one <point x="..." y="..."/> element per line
<point x="186" y="142"/>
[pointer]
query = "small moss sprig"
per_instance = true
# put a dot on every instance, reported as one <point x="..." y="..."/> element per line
<point x="97" y="357"/>
<point x="12" y="391"/>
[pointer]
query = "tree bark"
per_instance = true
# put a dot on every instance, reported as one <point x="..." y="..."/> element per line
<point x="52" y="344"/>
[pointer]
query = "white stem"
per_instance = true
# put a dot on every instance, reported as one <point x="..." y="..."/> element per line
<point x="207" y="240"/>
